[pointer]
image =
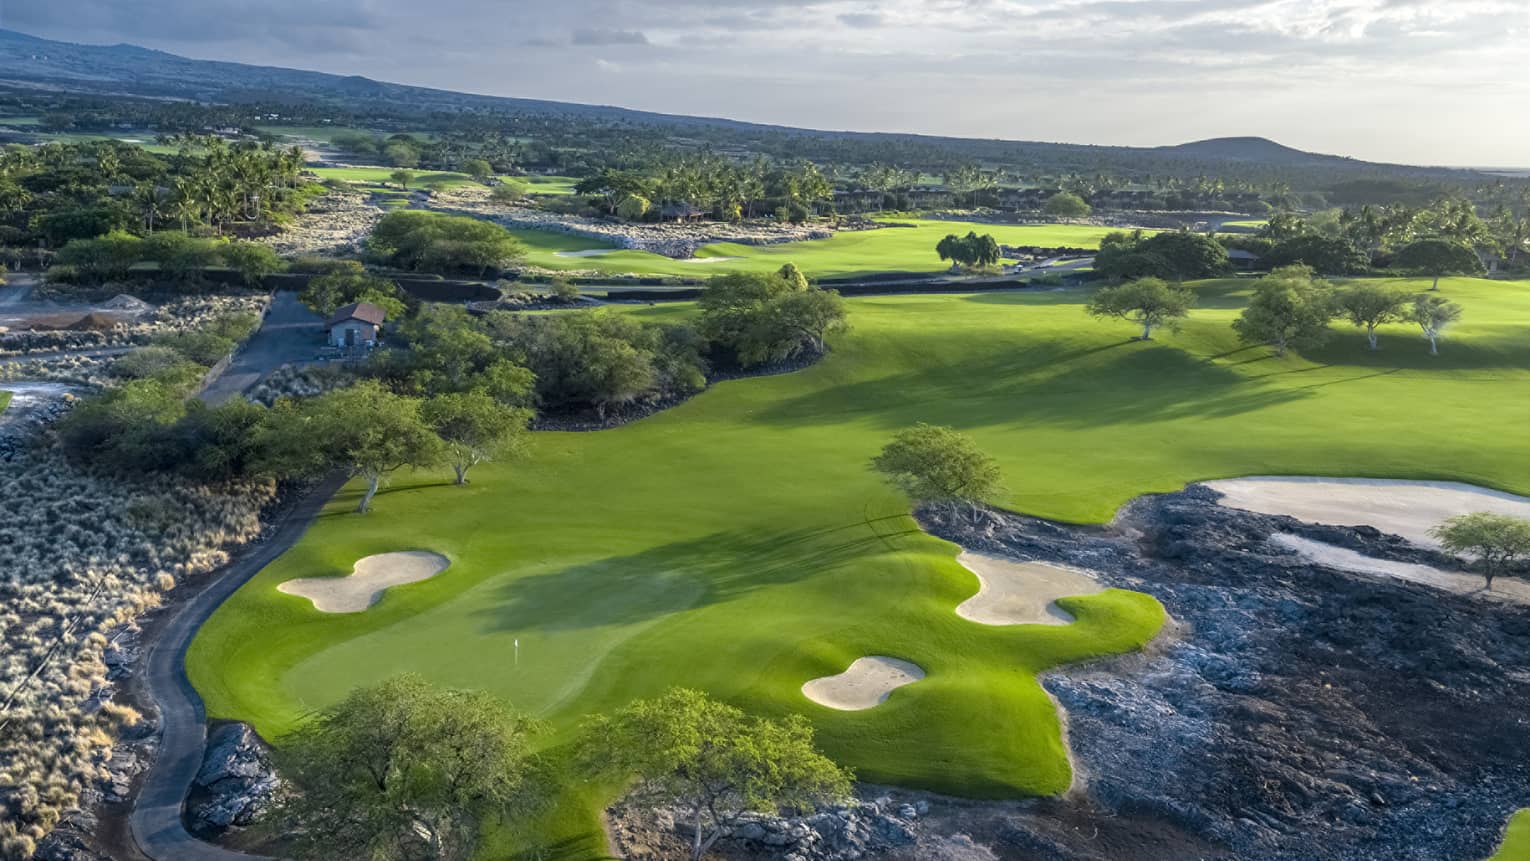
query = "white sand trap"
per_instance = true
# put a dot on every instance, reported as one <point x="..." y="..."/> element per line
<point x="1021" y="593"/>
<point x="588" y="252"/>
<point x="709" y="259"/>
<point x="1459" y="582"/>
<point x="1405" y="508"/>
<point x="866" y="684"/>
<point x="365" y="586"/>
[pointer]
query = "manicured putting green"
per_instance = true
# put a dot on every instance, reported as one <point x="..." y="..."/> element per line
<point x="5" y="400"/>
<point x="739" y="544"/>
<point x="892" y="249"/>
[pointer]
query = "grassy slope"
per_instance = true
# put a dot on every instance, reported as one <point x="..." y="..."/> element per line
<point x="894" y="249"/>
<point x="1516" y="840"/>
<point x="738" y="544"/>
<point x="5" y="400"/>
<point x="436" y="180"/>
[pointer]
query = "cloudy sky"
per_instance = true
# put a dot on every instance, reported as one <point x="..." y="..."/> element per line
<point x="1419" y="81"/>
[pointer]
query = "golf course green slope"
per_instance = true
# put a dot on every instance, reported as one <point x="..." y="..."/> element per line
<point x="1516" y="840"/>
<point x="739" y="544"/>
<point x="908" y="247"/>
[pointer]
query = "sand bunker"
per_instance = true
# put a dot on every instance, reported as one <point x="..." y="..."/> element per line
<point x="866" y="684"/>
<point x="1459" y="582"/>
<point x="588" y="252"/>
<point x="1405" y="508"/>
<point x="1021" y="593"/>
<point x="709" y="259"/>
<point x="372" y="576"/>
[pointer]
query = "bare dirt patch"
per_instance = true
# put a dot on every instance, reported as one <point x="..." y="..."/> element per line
<point x="866" y="684"/>
<point x="373" y="575"/>
<point x="1406" y="508"/>
<point x="1021" y="593"/>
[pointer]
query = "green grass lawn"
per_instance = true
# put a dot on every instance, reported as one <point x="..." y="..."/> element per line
<point x="439" y="180"/>
<point x="1516" y="840"/>
<point x="559" y="185"/>
<point x="868" y="252"/>
<point x="739" y="544"/>
<point x="5" y="400"/>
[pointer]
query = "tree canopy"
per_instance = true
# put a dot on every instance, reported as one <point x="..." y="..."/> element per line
<point x="1291" y="308"/>
<point x="1175" y="256"/>
<point x="938" y="465"/>
<point x="972" y="251"/>
<point x="761" y="318"/>
<point x="475" y="428"/>
<point x="404" y="770"/>
<point x="1148" y="302"/>
<point x="1324" y="254"/>
<point x="1370" y="305"/>
<point x="1433" y="313"/>
<point x="713" y="761"/>
<point x="1066" y="204"/>
<point x="1437" y="258"/>
<point x="1496" y="540"/>
<point x="445" y="244"/>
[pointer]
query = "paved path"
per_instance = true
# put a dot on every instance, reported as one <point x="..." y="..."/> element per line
<point x="290" y="334"/>
<point x="156" y="817"/>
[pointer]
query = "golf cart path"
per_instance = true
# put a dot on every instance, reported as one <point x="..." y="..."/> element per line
<point x="156" y="821"/>
<point x="290" y="334"/>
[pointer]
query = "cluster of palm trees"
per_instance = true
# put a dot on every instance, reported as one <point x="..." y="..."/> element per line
<point x="726" y="189"/>
<point x="1375" y="229"/>
<point x="224" y="183"/>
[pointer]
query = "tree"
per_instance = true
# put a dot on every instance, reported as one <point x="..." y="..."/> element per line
<point x="1433" y="314"/>
<point x="1371" y="305"/>
<point x="1436" y="258"/>
<point x="508" y="193"/>
<point x="327" y="293"/>
<point x="404" y="770"/>
<point x="402" y="155"/>
<point x="364" y="429"/>
<point x="1065" y="204"/>
<point x="1326" y="255"/>
<point x="479" y="169"/>
<point x="475" y="428"/>
<point x="402" y="177"/>
<point x="769" y="318"/>
<point x="1174" y="255"/>
<point x="1290" y="308"/>
<point x="972" y="250"/>
<point x="1497" y="540"/>
<point x="252" y="260"/>
<point x="712" y="760"/>
<point x="1148" y="302"/>
<point x="445" y="244"/>
<point x="939" y="466"/>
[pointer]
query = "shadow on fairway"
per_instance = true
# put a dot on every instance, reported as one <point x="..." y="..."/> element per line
<point x="624" y="590"/>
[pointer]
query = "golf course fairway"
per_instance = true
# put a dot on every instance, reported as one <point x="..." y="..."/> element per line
<point x="739" y="543"/>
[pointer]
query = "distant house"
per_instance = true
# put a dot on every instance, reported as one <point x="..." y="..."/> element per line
<point x="356" y="325"/>
<point x="682" y="212"/>
<point x="1243" y="261"/>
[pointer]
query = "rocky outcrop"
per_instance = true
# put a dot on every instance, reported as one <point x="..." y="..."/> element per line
<point x="236" y="783"/>
<point x="1294" y="712"/>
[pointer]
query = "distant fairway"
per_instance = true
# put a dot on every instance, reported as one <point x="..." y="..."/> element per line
<point x="438" y="180"/>
<point x="739" y="544"/>
<point x="868" y="252"/>
<point x="1516" y="841"/>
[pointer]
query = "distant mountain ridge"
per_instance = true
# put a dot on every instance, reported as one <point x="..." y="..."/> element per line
<point x="125" y="69"/>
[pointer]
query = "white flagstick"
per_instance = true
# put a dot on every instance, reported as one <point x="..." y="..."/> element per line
<point x="517" y="651"/>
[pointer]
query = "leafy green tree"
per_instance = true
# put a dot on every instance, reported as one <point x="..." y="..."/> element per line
<point x="508" y="193"/>
<point x="937" y="465"/>
<point x="363" y="429"/>
<point x="1066" y="204"/>
<point x="253" y="261"/>
<point x="1371" y="305"/>
<point x="1433" y="314"/>
<point x="633" y="207"/>
<point x="763" y="318"/>
<point x="1291" y="308"/>
<point x="105" y="259"/>
<point x="1148" y="302"/>
<point x="1324" y="254"/>
<point x="1175" y="255"/>
<point x="402" y="178"/>
<point x="1436" y="258"/>
<point x="327" y="293"/>
<point x="479" y="169"/>
<point x="712" y="760"/>
<point x="1497" y="540"/>
<point x="445" y="244"/>
<point x="402" y="771"/>
<point x="475" y="428"/>
<point x="972" y="251"/>
<point x="402" y="155"/>
<point x="180" y="257"/>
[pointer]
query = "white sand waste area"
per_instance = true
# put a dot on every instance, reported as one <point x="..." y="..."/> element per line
<point x="1021" y="593"/>
<point x="372" y="576"/>
<point x="866" y="684"/>
<point x="1405" y="508"/>
<point x="588" y="252"/>
<point x="709" y="259"/>
<point x="1461" y="583"/>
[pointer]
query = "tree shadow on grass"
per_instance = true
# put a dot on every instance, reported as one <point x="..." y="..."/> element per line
<point x="1049" y="382"/>
<point x="624" y="590"/>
